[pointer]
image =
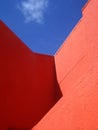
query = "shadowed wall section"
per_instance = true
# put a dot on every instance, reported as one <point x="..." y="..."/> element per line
<point x="77" y="74"/>
<point x="28" y="85"/>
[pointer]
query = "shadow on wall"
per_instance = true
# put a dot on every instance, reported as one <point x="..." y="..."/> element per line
<point x="58" y="95"/>
<point x="17" y="129"/>
<point x="28" y="83"/>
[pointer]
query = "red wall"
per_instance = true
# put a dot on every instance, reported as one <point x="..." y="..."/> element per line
<point x="28" y="85"/>
<point x="77" y="73"/>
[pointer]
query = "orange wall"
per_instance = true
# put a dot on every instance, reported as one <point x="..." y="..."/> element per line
<point x="77" y="73"/>
<point x="28" y="85"/>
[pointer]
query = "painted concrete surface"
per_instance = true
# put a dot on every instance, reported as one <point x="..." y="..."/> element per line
<point x="28" y="84"/>
<point x="31" y="83"/>
<point x="77" y="74"/>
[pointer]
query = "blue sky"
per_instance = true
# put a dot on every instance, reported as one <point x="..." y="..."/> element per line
<point x="42" y="25"/>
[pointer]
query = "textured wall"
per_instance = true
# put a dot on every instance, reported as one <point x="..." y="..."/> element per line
<point x="77" y="74"/>
<point x="28" y="85"/>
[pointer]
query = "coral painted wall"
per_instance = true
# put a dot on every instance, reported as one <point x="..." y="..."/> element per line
<point x="29" y="82"/>
<point x="28" y="85"/>
<point x="77" y="73"/>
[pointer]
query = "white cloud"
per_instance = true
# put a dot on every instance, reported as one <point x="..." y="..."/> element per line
<point x="33" y="10"/>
